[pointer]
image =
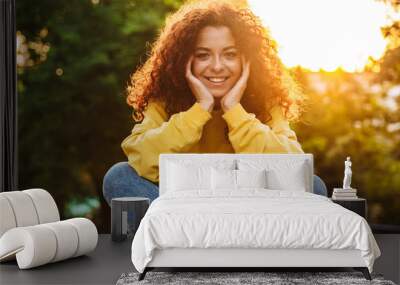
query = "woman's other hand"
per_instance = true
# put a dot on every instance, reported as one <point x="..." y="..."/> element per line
<point x="199" y="90"/>
<point x="235" y="94"/>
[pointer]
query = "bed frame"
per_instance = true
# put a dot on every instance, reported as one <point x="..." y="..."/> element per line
<point x="241" y="258"/>
<point x="260" y="258"/>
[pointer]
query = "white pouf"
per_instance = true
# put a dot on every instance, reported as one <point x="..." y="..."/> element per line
<point x="31" y="230"/>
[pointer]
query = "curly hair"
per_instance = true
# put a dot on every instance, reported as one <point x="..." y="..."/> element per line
<point x="162" y="76"/>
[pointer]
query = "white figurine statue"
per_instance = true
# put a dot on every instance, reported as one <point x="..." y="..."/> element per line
<point x="347" y="174"/>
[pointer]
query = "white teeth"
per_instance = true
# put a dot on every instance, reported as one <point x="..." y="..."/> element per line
<point x="217" y="79"/>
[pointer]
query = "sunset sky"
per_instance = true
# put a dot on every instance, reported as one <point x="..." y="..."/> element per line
<point x="323" y="34"/>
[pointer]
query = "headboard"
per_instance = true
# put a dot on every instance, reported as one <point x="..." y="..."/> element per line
<point x="209" y="158"/>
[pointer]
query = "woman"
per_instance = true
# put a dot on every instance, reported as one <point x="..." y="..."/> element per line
<point x="212" y="84"/>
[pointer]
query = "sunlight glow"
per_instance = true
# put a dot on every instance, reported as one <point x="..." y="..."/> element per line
<point x="325" y="34"/>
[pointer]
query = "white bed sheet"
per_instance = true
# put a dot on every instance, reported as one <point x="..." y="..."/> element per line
<point x="250" y="218"/>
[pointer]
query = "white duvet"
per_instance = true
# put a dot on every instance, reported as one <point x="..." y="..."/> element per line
<point x="251" y="218"/>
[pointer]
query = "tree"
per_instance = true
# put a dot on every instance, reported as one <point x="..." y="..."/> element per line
<point x="75" y="58"/>
<point x="389" y="73"/>
<point x="353" y="114"/>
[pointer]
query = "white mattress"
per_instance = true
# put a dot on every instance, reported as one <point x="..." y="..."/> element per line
<point x="252" y="218"/>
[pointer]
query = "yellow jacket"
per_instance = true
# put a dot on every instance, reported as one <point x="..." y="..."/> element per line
<point x="199" y="131"/>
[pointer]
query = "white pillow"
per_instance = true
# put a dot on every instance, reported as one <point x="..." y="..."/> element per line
<point x="181" y="177"/>
<point x="223" y="179"/>
<point x="251" y="178"/>
<point x="282" y="174"/>
<point x="293" y="180"/>
<point x="235" y="179"/>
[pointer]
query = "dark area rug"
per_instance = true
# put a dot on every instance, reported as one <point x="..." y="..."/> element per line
<point x="229" y="278"/>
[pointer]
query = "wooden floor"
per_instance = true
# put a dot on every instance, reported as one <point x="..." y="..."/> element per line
<point x="110" y="259"/>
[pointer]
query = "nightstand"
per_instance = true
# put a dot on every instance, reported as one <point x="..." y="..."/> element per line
<point x="357" y="205"/>
<point x="126" y="214"/>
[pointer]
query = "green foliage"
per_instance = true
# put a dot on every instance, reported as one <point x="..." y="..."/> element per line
<point x="345" y="117"/>
<point x="72" y="111"/>
<point x="356" y="119"/>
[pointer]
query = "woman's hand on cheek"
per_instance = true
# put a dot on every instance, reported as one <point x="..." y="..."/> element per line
<point x="234" y="95"/>
<point x="199" y="90"/>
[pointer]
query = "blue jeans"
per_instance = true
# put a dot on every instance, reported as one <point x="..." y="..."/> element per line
<point x="121" y="180"/>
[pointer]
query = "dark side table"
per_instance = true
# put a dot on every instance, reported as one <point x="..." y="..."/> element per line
<point x="126" y="214"/>
<point x="357" y="205"/>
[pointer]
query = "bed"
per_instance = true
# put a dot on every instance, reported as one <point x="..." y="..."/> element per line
<point x="247" y="210"/>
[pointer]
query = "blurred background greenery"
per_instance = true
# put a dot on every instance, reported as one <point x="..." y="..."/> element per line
<point x="74" y="61"/>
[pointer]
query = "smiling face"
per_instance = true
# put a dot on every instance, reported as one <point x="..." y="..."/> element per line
<point x="217" y="62"/>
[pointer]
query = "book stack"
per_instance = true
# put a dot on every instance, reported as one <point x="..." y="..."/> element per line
<point x="344" y="194"/>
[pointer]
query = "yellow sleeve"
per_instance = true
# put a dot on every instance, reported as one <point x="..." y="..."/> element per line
<point x="155" y="135"/>
<point x="248" y="135"/>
